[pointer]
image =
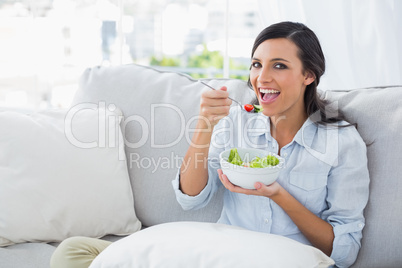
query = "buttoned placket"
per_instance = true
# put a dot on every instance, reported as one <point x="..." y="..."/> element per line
<point x="275" y="146"/>
<point x="284" y="151"/>
<point x="267" y="216"/>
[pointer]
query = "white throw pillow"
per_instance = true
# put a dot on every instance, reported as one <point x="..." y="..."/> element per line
<point x="196" y="244"/>
<point x="62" y="174"/>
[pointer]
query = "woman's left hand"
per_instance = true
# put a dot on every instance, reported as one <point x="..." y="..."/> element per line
<point x="260" y="189"/>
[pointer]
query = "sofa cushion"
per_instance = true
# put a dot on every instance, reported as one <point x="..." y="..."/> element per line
<point x="26" y="255"/>
<point x="160" y="108"/>
<point x="199" y="245"/>
<point x="63" y="174"/>
<point x="378" y="114"/>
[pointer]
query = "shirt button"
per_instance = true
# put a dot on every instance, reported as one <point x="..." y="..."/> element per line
<point x="360" y="225"/>
<point x="266" y="221"/>
<point x="285" y="154"/>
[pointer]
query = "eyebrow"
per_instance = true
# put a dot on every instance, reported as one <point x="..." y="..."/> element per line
<point x="280" y="59"/>
<point x="274" y="59"/>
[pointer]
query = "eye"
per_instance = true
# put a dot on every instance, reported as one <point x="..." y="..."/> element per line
<point x="255" y="64"/>
<point x="280" y="66"/>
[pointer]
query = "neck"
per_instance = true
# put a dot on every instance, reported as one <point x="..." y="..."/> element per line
<point x="284" y="128"/>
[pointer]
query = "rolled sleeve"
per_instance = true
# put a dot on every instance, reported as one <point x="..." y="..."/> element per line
<point x="346" y="244"/>
<point x="188" y="202"/>
<point x="202" y="199"/>
<point x="348" y="190"/>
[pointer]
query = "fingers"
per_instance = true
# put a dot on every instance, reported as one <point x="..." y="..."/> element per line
<point x="260" y="188"/>
<point x="214" y="101"/>
<point x="231" y="187"/>
<point x="268" y="190"/>
<point x="216" y="97"/>
<point x="224" y="179"/>
<point x="215" y="104"/>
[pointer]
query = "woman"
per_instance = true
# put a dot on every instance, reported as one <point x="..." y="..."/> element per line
<point x="320" y="195"/>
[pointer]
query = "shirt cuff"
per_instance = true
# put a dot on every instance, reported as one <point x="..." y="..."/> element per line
<point x="188" y="202"/>
<point x="346" y="244"/>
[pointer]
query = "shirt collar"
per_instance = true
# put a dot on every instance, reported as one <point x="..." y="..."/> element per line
<point x="260" y="125"/>
<point x="306" y="133"/>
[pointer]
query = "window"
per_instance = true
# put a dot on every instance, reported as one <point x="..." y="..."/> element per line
<point x="46" y="45"/>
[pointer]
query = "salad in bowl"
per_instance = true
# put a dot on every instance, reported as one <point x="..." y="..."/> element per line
<point x="246" y="166"/>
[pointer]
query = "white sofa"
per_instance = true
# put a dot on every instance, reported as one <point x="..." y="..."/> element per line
<point x="175" y="98"/>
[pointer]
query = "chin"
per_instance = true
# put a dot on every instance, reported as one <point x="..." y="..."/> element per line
<point x="266" y="111"/>
<point x="268" y="114"/>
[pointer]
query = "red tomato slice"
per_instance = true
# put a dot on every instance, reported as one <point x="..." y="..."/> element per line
<point x="248" y="107"/>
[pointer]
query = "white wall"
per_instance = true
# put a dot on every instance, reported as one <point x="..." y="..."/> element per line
<point x="361" y="39"/>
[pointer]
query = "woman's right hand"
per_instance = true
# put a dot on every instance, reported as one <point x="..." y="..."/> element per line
<point x="214" y="105"/>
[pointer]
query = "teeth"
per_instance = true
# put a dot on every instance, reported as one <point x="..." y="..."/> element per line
<point x="268" y="90"/>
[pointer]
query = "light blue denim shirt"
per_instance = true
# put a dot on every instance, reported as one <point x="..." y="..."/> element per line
<point x="325" y="170"/>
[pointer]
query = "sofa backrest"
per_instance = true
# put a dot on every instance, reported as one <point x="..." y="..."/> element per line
<point x="378" y="114"/>
<point x="161" y="107"/>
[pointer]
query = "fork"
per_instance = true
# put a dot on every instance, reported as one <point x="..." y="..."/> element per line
<point x="202" y="82"/>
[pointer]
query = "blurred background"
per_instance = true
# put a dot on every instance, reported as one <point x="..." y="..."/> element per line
<point x="45" y="45"/>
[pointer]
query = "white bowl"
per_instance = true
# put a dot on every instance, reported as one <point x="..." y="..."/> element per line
<point x="245" y="177"/>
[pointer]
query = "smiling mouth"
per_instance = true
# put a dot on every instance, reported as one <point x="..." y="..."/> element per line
<point x="268" y="95"/>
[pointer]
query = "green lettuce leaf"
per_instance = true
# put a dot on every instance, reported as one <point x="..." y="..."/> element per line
<point x="267" y="161"/>
<point x="234" y="157"/>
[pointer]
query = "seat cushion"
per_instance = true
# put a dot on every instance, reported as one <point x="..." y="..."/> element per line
<point x="26" y="255"/>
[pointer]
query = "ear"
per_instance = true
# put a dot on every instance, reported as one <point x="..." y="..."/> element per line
<point x="309" y="78"/>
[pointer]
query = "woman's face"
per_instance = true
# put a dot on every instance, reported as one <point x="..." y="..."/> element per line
<point x="277" y="78"/>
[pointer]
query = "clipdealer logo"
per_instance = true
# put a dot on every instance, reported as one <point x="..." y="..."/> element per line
<point x="112" y="125"/>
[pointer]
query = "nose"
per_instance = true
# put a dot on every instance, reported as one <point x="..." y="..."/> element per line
<point x="264" y="76"/>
